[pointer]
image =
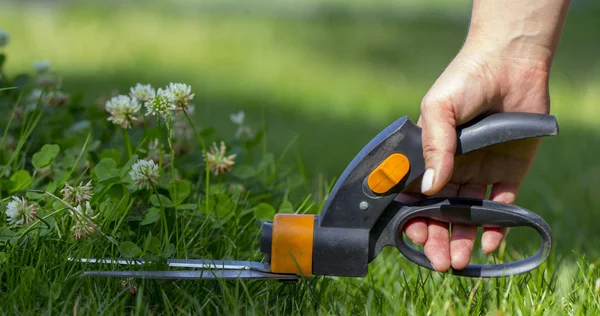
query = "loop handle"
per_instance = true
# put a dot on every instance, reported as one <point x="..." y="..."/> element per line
<point x="475" y="213"/>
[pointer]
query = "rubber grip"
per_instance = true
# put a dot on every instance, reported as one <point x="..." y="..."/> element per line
<point x="476" y="213"/>
<point x="503" y="127"/>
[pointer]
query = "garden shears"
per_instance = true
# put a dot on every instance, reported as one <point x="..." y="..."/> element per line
<point x="362" y="216"/>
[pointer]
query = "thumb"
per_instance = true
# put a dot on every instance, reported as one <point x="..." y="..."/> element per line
<point x="438" y="122"/>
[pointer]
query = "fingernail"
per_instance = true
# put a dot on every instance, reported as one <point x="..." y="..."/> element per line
<point x="427" y="182"/>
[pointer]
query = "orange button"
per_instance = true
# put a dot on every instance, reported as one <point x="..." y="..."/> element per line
<point x="389" y="173"/>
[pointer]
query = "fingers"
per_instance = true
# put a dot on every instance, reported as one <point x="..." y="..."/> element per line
<point x="461" y="245"/>
<point x="463" y="236"/>
<point x="437" y="244"/>
<point x="492" y="237"/>
<point x="416" y="230"/>
<point x="439" y="143"/>
<point x="504" y="192"/>
<point x="437" y="247"/>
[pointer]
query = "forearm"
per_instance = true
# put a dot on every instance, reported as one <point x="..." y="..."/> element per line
<point x="527" y="29"/>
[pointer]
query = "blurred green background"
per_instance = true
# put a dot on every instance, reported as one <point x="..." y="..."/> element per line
<point x="324" y="74"/>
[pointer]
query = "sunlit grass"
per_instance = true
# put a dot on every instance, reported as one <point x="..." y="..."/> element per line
<point x="334" y="83"/>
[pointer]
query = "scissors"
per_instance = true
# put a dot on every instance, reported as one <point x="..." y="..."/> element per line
<point x="361" y="215"/>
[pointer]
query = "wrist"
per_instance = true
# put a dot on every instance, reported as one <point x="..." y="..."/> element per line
<point x="513" y="49"/>
<point x="525" y="32"/>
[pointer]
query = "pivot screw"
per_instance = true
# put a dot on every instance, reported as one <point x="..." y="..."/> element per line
<point x="363" y="205"/>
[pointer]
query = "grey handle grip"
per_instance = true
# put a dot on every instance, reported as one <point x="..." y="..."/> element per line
<point x="504" y="127"/>
<point x="476" y="213"/>
<point x="404" y="137"/>
<point x="486" y="131"/>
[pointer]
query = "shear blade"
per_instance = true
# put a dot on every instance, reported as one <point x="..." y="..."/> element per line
<point x="194" y="275"/>
<point x="207" y="269"/>
<point x="186" y="263"/>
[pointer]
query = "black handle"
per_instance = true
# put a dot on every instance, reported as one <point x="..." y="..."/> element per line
<point x="356" y="215"/>
<point x="476" y="213"/>
<point x="342" y="209"/>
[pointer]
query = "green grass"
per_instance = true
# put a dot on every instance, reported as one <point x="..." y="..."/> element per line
<point x="324" y="83"/>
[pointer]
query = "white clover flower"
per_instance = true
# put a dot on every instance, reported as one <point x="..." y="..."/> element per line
<point x="123" y="110"/>
<point x="4" y="38"/>
<point x="79" y="194"/>
<point x="20" y="212"/>
<point x="217" y="161"/>
<point x="82" y="227"/>
<point x="182" y="94"/>
<point x="142" y="92"/>
<point x="162" y="104"/>
<point x="41" y="66"/>
<point x="144" y="173"/>
<point x="237" y="118"/>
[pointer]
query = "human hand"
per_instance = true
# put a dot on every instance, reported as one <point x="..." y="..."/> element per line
<point x="503" y="67"/>
<point x="475" y="83"/>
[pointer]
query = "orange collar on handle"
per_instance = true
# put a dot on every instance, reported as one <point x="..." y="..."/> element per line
<point x="292" y="245"/>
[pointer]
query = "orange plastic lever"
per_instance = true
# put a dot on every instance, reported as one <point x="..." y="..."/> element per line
<point x="389" y="173"/>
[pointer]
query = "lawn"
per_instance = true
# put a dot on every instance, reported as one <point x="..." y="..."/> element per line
<point x="322" y="79"/>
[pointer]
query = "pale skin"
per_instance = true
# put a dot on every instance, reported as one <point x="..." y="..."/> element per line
<point x="503" y="66"/>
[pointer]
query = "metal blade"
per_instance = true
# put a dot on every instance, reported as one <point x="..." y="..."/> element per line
<point x="209" y="270"/>
<point x="186" y="263"/>
<point x="194" y="275"/>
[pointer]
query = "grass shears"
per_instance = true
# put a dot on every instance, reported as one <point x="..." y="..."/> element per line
<point x="361" y="215"/>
